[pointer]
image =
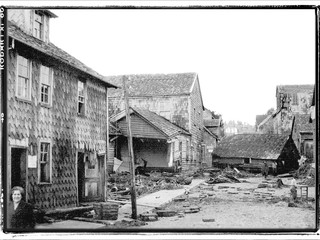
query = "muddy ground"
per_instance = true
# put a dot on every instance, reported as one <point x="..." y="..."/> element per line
<point x="239" y="205"/>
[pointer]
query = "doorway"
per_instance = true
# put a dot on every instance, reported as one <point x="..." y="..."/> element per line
<point x="90" y="177"/>
<point x="19" y="168"/>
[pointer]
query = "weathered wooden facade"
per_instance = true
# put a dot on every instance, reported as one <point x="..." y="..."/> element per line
<point x="177" y="97"/>
<point x="155" y="139"/>
<point x="249" y="151"/>
<point x="210" y="141"/>
<point x="57" y="108"/>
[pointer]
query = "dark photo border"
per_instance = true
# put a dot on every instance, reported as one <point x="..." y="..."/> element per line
<point x="134" y="231"/>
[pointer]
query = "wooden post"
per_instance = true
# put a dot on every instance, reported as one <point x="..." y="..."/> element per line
<point x="131" y="156"/>
<point x="106" y="156"/>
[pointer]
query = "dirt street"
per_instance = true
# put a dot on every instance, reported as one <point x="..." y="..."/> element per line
<point x="239" y="205"/>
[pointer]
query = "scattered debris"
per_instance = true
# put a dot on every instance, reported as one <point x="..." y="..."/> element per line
<point x="166" y="213"/>
<point x="149" y="217"/>
<point x="208" y="220"/>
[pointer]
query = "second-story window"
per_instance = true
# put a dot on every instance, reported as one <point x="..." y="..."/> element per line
<point x="81" y="97"/>
<point x="45" y="163"/>
<point x="23" y="89"/>
<point x="38" y="25"/>
<point x="46" y="76"/>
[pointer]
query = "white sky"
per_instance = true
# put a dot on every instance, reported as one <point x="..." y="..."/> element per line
<point x="239" y="55"/>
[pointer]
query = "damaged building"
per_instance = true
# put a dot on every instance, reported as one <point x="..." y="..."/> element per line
<point x="176" y="97"/>
<point x="292" y="117"/>
<point x="57" y="106"/>
<point x="249" y="151"/>
<point x="160" y="144"/>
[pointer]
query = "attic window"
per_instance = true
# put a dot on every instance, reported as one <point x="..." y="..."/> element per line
<point x="38" y="25"/>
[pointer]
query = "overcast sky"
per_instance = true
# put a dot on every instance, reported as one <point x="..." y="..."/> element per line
<point x="240" y="55"/>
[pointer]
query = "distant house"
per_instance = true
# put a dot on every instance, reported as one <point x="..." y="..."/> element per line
<point x="259" y="119"/>
<point x="176" y="97"/>
<point x="295" y="98"/>
<point x="213" y="123"/>
<point x="155" y="139"/>
<point x="251" y="150"/>
<point x="57" y="106"/>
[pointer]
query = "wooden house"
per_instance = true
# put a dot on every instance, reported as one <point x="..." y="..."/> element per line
<point x="155" y="139"/>
<point x="249" y="151"/>
<point x="176" y="97"/>
<point x="57" y="106"/>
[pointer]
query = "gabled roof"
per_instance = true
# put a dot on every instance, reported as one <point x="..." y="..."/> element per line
<point x="258" y="146"/>
<point x="260" y="118"/>
<point x="302" y="123"/>
<point x="295" y="88"/>
<point x="51" y="50"/>
<point x="211" y="133"/>
<point x="113" y="130"/>
<point x="155" y="84"/>
<point x="162" y="124"/>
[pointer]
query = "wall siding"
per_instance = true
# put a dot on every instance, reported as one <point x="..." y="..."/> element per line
<point x="196" y="129"/>
<point x="60" y="125"/>
<point x="140" y="128"/>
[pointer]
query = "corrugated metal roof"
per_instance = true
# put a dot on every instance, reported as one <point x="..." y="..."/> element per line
<point x="154" y="84"/>
<point x="51" y="50"/>
<point x="258" y="146"/>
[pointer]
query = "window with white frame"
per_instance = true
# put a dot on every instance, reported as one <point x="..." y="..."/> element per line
<point x="45" y="163"/>
<point x="38" y="25"/>
<point x="23" y="89"/>
<point x="81" y="97"/>
<point x="46" y="76"/>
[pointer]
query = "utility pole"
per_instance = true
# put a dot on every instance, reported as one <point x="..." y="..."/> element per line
<point x="131" y="156"/>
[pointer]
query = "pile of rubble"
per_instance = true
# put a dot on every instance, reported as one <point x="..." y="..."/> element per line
<point x="227" y="175"/>
<point x="306" y="173"/>
<point x="119" y="183"/>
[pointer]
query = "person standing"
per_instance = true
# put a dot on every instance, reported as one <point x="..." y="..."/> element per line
<point x="265" y="169"/>
<point x="274" y="168"/>
<point x="20" y="213"/>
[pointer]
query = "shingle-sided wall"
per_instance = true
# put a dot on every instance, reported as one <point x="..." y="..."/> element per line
<point x="24" y="19"/>
<point x="60" y="125"/>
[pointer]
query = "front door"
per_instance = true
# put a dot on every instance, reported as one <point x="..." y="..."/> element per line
<point x="19" y="168"/>
<point x="89" y="178"/>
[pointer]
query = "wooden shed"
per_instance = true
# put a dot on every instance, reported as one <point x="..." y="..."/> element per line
<point x="161" y="143"/>
<point x="249" y="151"/>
